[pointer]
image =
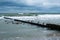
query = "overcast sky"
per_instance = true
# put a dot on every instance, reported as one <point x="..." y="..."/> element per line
<point x="29" y="6"/>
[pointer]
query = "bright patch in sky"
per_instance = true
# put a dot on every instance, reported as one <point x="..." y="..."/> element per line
<point x="29" y="5"/>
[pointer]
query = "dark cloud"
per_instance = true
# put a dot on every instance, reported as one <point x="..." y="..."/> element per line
<point x="13" y="6"/>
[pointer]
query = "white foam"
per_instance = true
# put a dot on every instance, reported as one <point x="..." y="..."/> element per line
<point x="53" y="19"/>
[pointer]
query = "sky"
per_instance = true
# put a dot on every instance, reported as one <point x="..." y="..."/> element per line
<point x="17" y="6"/>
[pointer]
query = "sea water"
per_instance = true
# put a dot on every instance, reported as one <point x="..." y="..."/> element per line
<point x="23" y="32"/>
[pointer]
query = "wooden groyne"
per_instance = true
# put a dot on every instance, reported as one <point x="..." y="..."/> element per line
<point x="49" y="26"/>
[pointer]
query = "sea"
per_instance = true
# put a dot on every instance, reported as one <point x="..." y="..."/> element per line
<point x="26" y="31"/>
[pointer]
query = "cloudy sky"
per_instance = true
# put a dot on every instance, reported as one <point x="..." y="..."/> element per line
<point x="29" y="6"/>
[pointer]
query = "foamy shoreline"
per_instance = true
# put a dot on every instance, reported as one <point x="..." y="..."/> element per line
<point x="53" y="19"/>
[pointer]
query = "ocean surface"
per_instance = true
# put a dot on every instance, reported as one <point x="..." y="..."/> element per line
<point x="25" y="32"/>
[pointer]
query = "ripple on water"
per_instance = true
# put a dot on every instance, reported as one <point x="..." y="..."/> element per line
<point x="23" y="32"/>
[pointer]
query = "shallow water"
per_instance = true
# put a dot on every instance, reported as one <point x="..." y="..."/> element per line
<point x="24" y="32"/>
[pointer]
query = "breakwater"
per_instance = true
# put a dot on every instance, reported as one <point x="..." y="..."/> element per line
<point x="47" y="25"/>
